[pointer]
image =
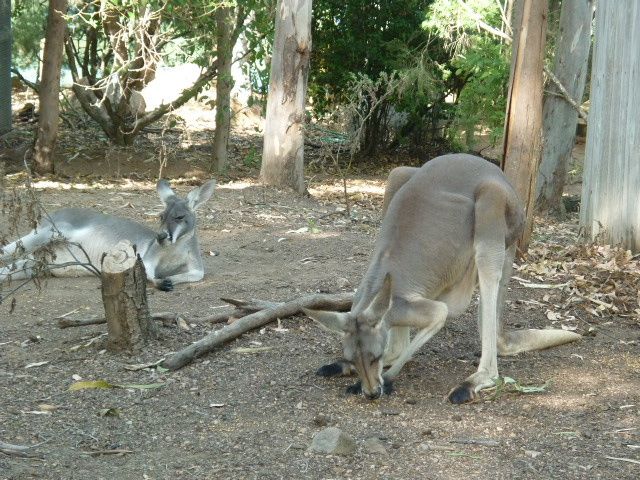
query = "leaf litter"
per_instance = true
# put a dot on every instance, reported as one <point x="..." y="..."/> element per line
<point x="602" y="280"/>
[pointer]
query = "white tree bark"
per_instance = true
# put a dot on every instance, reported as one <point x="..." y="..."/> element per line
<point x="559" y="117"/>
<point x="610" y="209"/>
<point x="282" y="155"/>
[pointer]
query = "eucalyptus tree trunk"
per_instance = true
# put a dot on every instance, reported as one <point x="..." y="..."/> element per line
<point x="282" y="155"/>
<point x="5" y="66"/>
<point x="50" y="88"/>
<point x="559" y="117"/>
<point x="224" y="29"/>
<point x="523" y="123"/>
<point x="610" y="209"/>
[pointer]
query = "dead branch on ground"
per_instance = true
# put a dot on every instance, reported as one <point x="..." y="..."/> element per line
<point x="242" y="309"/>
<point x="17" y="450"/>
<point x="255" y="320"/>
<point x="63" y="322"/>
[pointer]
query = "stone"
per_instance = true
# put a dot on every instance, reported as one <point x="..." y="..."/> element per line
<point x="333" y="441"/>
<point x="374" y="445"/>
<point x="532" y="453"/>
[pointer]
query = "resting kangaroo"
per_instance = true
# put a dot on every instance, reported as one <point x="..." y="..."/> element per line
<point x="171" y="256"/>
<point x="447" y="227"/>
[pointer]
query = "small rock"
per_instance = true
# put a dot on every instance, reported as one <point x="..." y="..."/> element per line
<point x="411" y="401"/>
<point x="456" y="418"/>
<point x="321" y="420"/>
<point x="342" y="282"/>
<point x="374" y="445"/>
<point x="333" y="441"/>
<point x="532" y="453"/>
<point x="389" y="411"/>
<point x="427" y="433"/>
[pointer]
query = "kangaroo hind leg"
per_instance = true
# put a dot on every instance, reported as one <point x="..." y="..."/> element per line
<point x="490" y="257"/>
<point x="29" y="243"/>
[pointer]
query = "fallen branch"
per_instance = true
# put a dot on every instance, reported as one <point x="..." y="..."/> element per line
<point x="242" y="309"/>
<point x="17" y="450"/>
<point x="116" y="451"/>
<point x="165" y="317"/>
<point x="338" y="302"/>
<point x="485" y="442"/>
<point x="620" y="459"/>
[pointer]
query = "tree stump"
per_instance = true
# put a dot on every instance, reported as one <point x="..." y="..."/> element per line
<point x="124" y="294"/>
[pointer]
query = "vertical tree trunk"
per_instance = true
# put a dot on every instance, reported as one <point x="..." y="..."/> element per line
<point x="610" y="209"/>
<point x="50" y="88"/>
<point x="5" y="66"/>
<point x="523" y="124"/>
<point x="124" y="295"/>
<point x="559" y="117"/>
<point x="224" y="28"/>
<point x="282" y="156"/>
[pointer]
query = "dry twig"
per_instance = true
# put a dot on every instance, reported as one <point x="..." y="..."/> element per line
<point x="253" y="321"/>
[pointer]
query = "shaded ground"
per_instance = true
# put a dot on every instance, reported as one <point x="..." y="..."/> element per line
<point x="233" y="415"/>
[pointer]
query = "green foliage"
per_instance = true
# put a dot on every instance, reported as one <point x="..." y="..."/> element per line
<point x="252" y="159"/>
<point x="28" y="21"/>
<point x="360" y="37"/>
<point x="477" y="68"/>
<point x="482" y="102"/>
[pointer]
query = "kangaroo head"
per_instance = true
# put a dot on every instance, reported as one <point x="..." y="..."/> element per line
<point x="178" y="219"/>
<point x="364" y="337"/>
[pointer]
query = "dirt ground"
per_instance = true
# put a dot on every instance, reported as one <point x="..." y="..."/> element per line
<point x="234" y="415"/>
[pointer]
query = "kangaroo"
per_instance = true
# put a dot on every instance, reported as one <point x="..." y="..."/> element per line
<point x="78" y="236"/>
<point x="447" y="227"/>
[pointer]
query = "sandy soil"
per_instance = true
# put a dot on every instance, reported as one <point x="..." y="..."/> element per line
<point x="235" y="415"/>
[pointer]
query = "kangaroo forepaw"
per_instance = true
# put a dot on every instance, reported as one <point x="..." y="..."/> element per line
<point x="463" y="393"/>
<point x="165" y="285"/>
<point x="355" y="389"/>
<point x="387" y="387"/>
<point x="334" y="369"/>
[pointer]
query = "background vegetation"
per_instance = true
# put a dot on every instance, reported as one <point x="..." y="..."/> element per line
<point x="439" y="66"/>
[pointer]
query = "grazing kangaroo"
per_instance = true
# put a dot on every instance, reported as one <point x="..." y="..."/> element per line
<point x="447" y="227"/>
<point x="78" y="235"/>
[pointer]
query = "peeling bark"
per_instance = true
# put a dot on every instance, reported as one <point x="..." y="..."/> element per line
<point x="282" y="156"/>
<point x="50" y="88"/>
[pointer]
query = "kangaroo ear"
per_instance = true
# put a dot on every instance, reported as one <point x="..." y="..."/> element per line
<point x="164" y="190"/>
<point x="200" y="195"/>
<point x="334" y="321"/>
<point x="380" y="304"/>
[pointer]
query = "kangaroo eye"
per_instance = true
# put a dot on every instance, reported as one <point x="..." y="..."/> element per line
<point x="180" y="217"/>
